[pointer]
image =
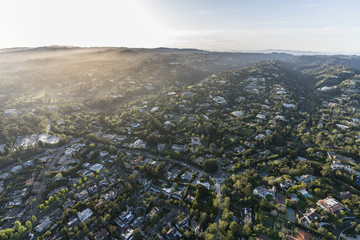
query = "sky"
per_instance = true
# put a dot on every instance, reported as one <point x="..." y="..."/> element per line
<point x="228" y="25"/>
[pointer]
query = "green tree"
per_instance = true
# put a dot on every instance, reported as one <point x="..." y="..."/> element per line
<point x="112" y="229"/>
<point x="210" y="165"/>
<point x="234" y="227"/>
<point x="357" y="228"/>
<point x="22" y="229"/>
<point x="137" y="234"/>
<point x="17" y="225"/>
<point x="154" y="218"/>
<point x="28" y="224"/>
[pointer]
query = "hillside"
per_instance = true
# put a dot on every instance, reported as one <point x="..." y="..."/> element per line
<point x="118" y="142"/>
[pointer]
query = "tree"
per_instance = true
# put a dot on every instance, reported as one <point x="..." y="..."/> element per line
<point x="217" y="201"/>
<point x="188" y="234"/>
<point x="357" y="228"/>
<point x="34" y="219"/>
<point x="28" y="224"/>
<point x="112" y="229"/>
<point x="234" y="227"/>
<point x="137" y="234"/>
<point x="247" y="230"/>
<point x="210" y="165"/>
<point x="203" y="218"/>
<point x="17" y="225"/>
<point x="4" y="236"/>
<point x="22" y="229"/>
<point x="9" y="232"/>
<point x="152" y="140"/>
<point x="154" y="218"/>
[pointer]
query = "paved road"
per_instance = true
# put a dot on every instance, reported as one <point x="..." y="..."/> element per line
<point x="160" y="224"/>
<point x="337" y="231"/>
<point x="218" y="174"/>
<point x="48" y="167"/>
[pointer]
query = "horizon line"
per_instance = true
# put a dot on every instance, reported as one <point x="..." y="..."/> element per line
<point x="265" y="51"/>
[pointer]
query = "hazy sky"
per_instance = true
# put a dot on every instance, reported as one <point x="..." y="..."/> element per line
<point x="315" y="25"/>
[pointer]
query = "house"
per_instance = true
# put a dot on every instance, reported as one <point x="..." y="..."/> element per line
<point x="9" y="112"/>
<point x="139" y="221"/>
<point x="26" y="141"/>
<point x="261" y="116"/>
<point x="336" y="156"/>
<point x="280" y="117"/>
<point x="126" y="217"/>
<point x="183" y="223"/>
<point x="178" y="194"/>
<point x="155" y="210"/>
<point x="312" y="215"/>
<point x="84" y="215"/>
<point x="178" y="148"/>
<point x="219" y="100"/>
<point x="103" y="154"/>
<point x="186" y="176"/>
<point x="306" y="178"/>
<point x="127" y="235"/>
<point x="82" y="196"/>
<point x="109" y="196"/>
<point x="138" y="144"/>
<point x="48" y="139"/>
<point x="335" y="165"/>
<point x="237" y="113"/>
<point x="287" y="183"/>
<point x="259" y="136"/>
<point x="167" y="191"/>
<point x="102" y="235"/>
<point x="11" y="213"/>
<point x="104" y="182"/>
<point x="69" y="204"/>
<point x="299" y="158"/>
<point x="172" y="234"/>
<point x="330" y="204"/>
<point x="72" y="222"/>
<point x="97" y="167"/>
<point x="93" y="189"/>
<point x="17" y="168"/>
<point x="187" y="94"/>
<point x="304" y="192"/>
<point x="345" y="195"/>
<point x="205" y="184"/>
<point x="294" y="199"/>
<point x="44" y="224"/>
<point x="289" y="105"/>
<point x="263" y="192"/>
<point x="195" y="142"/>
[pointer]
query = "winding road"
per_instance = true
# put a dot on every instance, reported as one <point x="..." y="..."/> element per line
<point x="337" y="231"/>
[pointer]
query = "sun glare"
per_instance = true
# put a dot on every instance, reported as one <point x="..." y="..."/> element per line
<point x="82" y="23"/>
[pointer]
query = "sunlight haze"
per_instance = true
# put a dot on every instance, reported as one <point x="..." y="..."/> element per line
<point x="329" y="26"/>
